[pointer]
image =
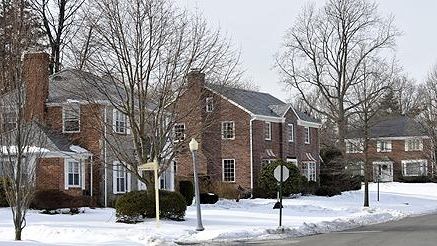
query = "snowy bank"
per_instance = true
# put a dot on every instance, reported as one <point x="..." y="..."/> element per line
<point x="227" y="220"/>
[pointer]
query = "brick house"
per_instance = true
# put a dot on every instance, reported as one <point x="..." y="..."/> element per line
<point x="240" y="130"/>
<point x="399" y="150"/>
<point x="80" y="125"/>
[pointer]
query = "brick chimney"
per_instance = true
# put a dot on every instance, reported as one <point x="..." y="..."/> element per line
<point x="36" y="78"/>
<point x="196" y="79"/>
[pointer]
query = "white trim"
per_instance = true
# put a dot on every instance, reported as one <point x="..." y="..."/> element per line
<point x="309" y="124"/>
<point x="174" y="132"/>
<point x="251" y="152"/>
<point x="399" y="138"/>
<point x="293" y="161"/>
<point x="423" y="167"/>
<point x="269" y="129"/>
<point x="269" y="118"/>
<point x="223" y="170"/>
<point x="389" y="147"/>
<point x="414" y="139"/>
<point x="114" y="122"/>
<point x="117" y="166"/>
<point x="81" y="174"/>
<point x="233" y="130"/>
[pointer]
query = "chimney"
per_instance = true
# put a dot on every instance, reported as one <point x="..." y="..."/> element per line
<point x="196" y="79"/>
<point x="36" y="78"/>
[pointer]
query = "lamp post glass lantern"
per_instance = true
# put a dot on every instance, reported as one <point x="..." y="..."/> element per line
<point x="194" y="146"/>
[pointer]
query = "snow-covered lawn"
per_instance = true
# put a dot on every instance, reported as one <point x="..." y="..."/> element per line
<point x="226" y="220"/>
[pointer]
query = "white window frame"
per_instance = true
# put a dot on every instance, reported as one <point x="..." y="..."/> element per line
<point x="292" y="161"/>
<point x="73" y="107"/>
<point x="223" y="170"/>
<point x="117" y="118"/>
<point x="81" y="174"/>
<point x="118" y="169"/>
<point x="354" y="146"/>
<point x="209" y="107"/>
<point x="309" y="170"/>
<point x="268" y="131"/>
<point x="355" y="164"/>
<point x="423" y="167"/>
<point x="174" y="132"/>
<point x="417" y="148"/>
<point x="307" y="135"/>
<point x="290" y="133"/>
<point x="224" y="136"/>
<point x="387" y="144"/>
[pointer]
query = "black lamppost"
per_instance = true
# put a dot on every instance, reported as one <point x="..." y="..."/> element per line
<point x="194" y="146"/>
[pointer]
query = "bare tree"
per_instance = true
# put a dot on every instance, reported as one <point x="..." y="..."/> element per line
<point x="146" y="49"/>
<point x="376" y="78"/>
<point x="21" y="139"/>
<point x="58" y="18"/>
<point x="325" y="49"/>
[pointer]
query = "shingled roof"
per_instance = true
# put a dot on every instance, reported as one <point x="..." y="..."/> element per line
<point x="394" y="126"/>
<point x="258" y="103"/>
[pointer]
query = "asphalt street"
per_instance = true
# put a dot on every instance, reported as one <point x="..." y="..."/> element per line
<point x="414" y="231"/>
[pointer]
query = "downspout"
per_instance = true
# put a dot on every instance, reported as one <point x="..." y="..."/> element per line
<point x="91" y="178"/>
<point x="104" y="159"/>
<point x="251" y="155"/>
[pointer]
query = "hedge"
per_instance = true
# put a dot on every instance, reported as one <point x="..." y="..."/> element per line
<point x="131" y="207"/>
<point x="50" y="200"/>
<point x="186" y="188"/>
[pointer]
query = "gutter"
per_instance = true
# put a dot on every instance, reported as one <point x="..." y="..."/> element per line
<point x="104" y="159"/>
<point x="251" y="155"/>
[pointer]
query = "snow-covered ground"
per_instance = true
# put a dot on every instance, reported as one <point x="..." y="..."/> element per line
<point x="254" y="219"/>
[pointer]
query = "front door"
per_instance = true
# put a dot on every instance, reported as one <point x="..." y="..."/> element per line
<point x="383" y="170"/>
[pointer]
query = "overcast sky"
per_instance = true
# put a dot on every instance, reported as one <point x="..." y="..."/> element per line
<point x="257" y="27"/>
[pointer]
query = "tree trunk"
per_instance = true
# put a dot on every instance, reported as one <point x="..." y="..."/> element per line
<point x="366" y="191"/>
<point x="18" y="234"/>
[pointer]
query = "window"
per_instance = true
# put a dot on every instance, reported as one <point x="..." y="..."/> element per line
<point x="268" y="131"/>
<point x="74" y="172"/>
<point x="307" y="135"/>
<point x="121" y="178"/>
<point x="229" y="170"/>
<point x="228" y="130"/>
<point x="414" y="144"/>
<point x="355" y="168"/>
<point x="209" y="104"/>
<point x="354" y="146"/>
<point x="179" y="132"/>
<point x="71" y="117"/>
<point x="119" y="122"/>
<point x="290" y="132"/>
<point x="292" y="160"/>
<point x="414" y="167"/>
<point x="9" y="121"/>
<point x="309" y="170"/>
<point x="383" y="146"/>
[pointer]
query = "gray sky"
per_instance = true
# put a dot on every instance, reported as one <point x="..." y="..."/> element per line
<point x="258" y="27"/>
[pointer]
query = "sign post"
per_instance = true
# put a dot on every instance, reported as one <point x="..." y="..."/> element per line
<point x="281" y="174"/>
<point x="153" y="166"/>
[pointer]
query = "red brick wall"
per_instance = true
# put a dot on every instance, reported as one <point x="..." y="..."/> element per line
<point x="397" y="154"/>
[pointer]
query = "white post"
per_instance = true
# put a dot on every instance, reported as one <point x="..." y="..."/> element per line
<point x="156" y="193"/>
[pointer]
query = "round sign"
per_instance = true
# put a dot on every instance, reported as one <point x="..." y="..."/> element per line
<point x="277" y="173"/>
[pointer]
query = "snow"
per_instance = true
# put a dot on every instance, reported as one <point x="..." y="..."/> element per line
<point x="6" y="150"/>
<point x="78" y="149"/>
<point x="227" y="220"/>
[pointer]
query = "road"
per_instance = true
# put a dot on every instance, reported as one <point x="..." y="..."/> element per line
<point x="414" y="231"/>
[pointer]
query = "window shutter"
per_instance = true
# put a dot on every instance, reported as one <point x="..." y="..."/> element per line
<point x="114" y="176"/>
<point x="66" y="174"/>
<point x="127" y="125"/>
<point x="378" y="146"/>
<point x="404" y="167"/>
<point x="82" y="173"/>
<point x="420" y="144"/>
<point x="389" y="146"/>
<point x="406" y="145"/>
<point x="114" y="117"/>
<point x="128" y="178"/>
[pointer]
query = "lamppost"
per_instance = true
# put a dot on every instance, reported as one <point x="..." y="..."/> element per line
<point x="194" y="146"/>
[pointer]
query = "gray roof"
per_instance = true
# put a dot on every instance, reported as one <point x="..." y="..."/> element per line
<point x="258" y="103"/>
<point x="394" y="126"/>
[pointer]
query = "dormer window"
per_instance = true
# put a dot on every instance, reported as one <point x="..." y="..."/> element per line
<point x="71" y="117"/>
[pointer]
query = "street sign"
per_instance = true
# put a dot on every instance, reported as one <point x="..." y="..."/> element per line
<point x="277" y="173"/>
<point x="150" y="166"/>
<point x="153" y="166"/>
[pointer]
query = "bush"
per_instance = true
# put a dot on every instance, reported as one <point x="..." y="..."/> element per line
<point x="131" y="207"/>
<point x="226" y="190"/>
<point x="3" y="201"/>
<point x="186" y="188"/>
<point x="172" y="205"/>
<point x="268" y="185"/>
<point x="56" y="199"/>
<point x="208" y="198"/>
<point x="327" y="191"/>
<point x="418" y="179"/>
